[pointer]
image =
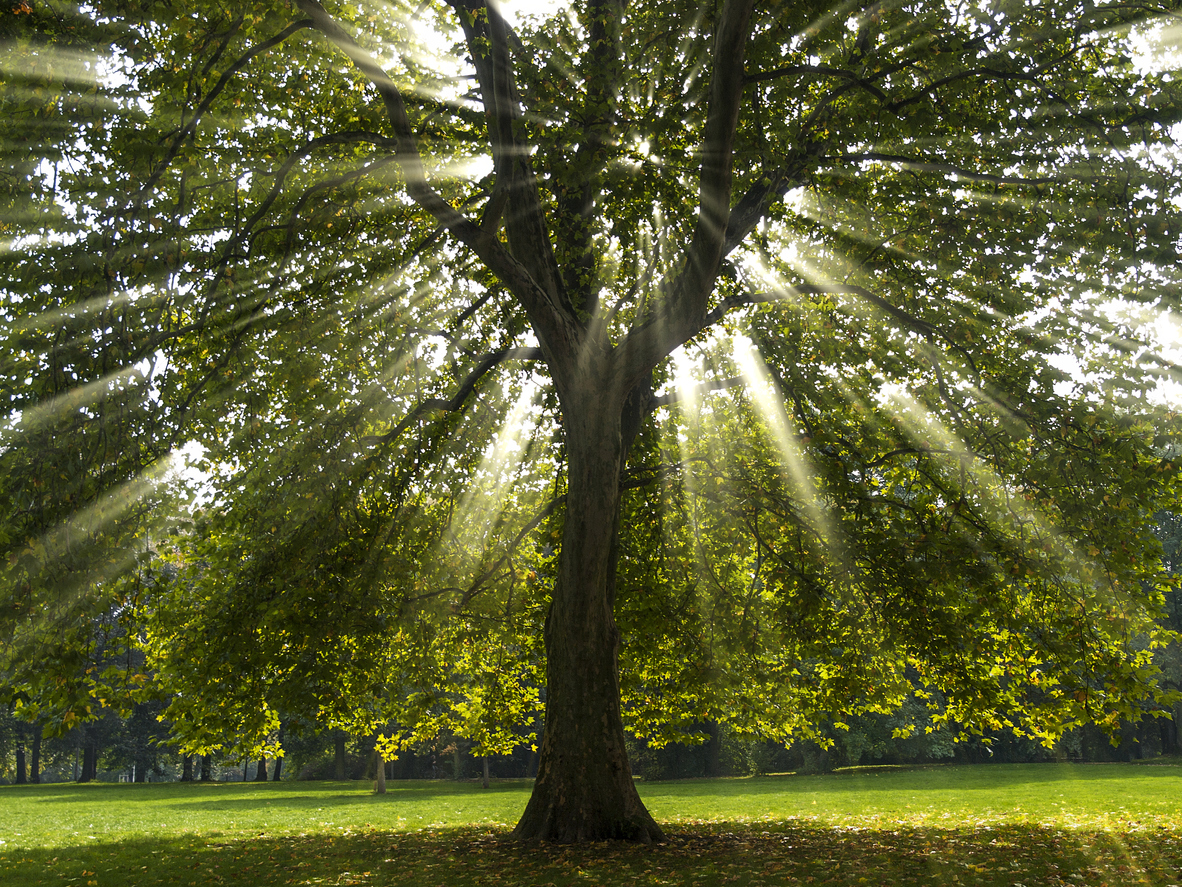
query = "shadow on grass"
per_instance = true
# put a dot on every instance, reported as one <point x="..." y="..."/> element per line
<point x="706" y="854"/>
<point x="246" y="795"/>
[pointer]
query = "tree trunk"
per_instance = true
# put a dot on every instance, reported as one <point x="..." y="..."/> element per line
<point x="584" y="790"/>
<point x="89" y="763"/>
<point x="35" y="758"/>
<point x="379" y="782"/>
<point x="261" y="775"/>
<point x="339" y="754"/>
<point x="279" y="760"/>
<point x="713" y="750"/>
<point x="187" y="768"/>
<point x="206" y="769"/>
<point x="22" y="776"/>
<point x="484" y="761"/>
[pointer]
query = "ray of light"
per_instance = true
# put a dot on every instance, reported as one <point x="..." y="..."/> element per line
<point x="483" y="503"/>
<point x="1007" y="503"/>
<point x="798" y="471"/>
<point x="57" y="544"/>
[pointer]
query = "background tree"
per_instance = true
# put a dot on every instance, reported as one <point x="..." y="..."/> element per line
<point x="791" y="286"/>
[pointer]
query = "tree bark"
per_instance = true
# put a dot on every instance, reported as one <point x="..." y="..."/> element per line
<point x="484" y="761"/>
<point x="261" y="775"/>
<point x="35" y="757"/>
<point x="379" y="782"/>
<point x="713" y="750"/>
<point x="22" y="775"/>
<point x="339" y="754"/>
<point x="206" y="769"/>
<point x="279" y="760"/>
<point x="89" y="763"/>
<point x="584" y="790"/>
<point x="187" y="768"/>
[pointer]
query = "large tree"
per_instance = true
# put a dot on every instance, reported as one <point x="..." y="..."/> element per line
<point x="777" y="283"/>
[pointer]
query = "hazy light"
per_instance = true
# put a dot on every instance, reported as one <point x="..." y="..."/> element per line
<point x="770" y="405"/>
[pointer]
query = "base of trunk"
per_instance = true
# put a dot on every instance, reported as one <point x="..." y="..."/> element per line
<point x="557" y="823"/>
<point x="568" y="811"/>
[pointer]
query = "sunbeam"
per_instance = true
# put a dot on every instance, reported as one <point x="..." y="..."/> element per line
<point x="769" y="402"/>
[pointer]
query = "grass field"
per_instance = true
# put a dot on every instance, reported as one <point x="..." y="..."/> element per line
<point x="1106" y="824"/>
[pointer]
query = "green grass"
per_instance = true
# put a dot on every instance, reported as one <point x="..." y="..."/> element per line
<point x="988" y="825"/>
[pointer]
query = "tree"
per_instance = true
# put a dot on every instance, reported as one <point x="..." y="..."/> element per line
<point x="875" y="224"/>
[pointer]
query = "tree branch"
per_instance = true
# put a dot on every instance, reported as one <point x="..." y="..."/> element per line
<point x="680" y="316"/>
<point x="582" y="182"/>
<point x="712" y="385"/>
<point x="928" y="166"/>
<point x="488" y="574"/>
<point x="453" y="403"/>
<point x="488" y="36"/>
<point x="908" y="320"/>
<point x="189" y="128"/>
<point x="556" y="332"/>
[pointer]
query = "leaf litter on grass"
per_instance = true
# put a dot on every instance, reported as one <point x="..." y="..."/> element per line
<point x="701" y="855"/>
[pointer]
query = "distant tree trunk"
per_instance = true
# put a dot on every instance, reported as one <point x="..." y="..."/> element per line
<point x="261" y="775"/>
<point x="22" y="777"/>
<point x="484" y="761"/>
<point x="713" y="750"/>
<point x="187" y="768"/>
<point x="141" y="772"/>
<point x="456" y="762"/>
<point x="206" y="769"/>
<point x="339" y="753"/>
<point x="279" y="760"/>
<point x="89" y="763"/>
<point x="379" y="782"/>
<point x="35" y="763"/>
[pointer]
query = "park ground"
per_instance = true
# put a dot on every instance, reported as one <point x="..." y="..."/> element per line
<point x="1099" y="825"/>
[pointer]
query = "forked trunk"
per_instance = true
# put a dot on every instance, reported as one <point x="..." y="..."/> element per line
<point x="584" y="789"/>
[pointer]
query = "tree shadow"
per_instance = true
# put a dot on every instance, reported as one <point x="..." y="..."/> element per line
<point x="782" y="853"/>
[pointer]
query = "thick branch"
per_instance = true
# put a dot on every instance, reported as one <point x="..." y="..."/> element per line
<point x="488" y="37"/>
<point x="555" y="331"/>
<point x="581" y="182"/>
<point x="681" y="315"/>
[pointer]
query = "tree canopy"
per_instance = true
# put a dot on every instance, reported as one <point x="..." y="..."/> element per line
<point x="650" y="363"/>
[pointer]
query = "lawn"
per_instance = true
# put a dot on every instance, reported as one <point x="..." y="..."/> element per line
<point x="989" y="825"/>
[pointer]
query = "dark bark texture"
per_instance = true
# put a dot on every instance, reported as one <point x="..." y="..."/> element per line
<point x="584" y="790"/>
<point x="35" y="757"/>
